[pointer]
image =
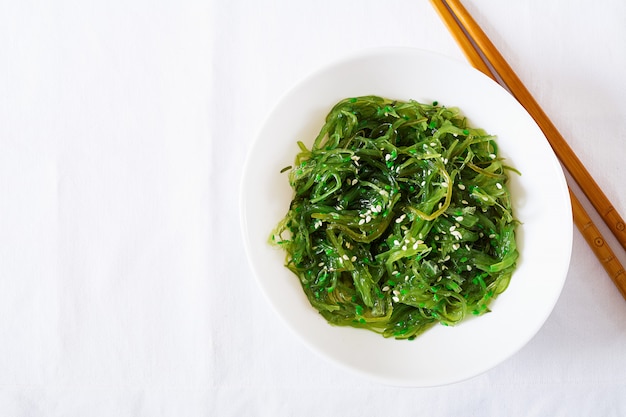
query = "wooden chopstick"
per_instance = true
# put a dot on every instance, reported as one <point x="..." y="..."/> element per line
<point x="462" y="30"/>
<point x="599" y="246"/>
<point x="563" y="151"/>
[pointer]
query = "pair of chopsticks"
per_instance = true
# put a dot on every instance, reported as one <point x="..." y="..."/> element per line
<point x="484" y="56"/>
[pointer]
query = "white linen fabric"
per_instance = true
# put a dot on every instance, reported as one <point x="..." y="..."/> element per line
<point x="124" y="288"/>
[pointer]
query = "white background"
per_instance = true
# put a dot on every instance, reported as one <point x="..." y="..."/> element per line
<point x="124" y="290"/>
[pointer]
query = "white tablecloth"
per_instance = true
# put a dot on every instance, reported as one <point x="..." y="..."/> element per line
<point x="124" y="290"/>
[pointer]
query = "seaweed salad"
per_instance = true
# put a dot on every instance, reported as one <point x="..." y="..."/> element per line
<point x="401" y="217"/>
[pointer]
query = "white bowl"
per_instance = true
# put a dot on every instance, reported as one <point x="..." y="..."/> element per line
<point x="441" y="355"/>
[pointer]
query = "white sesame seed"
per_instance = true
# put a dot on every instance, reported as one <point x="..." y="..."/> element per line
<point x="485" y="198"/>
<point x="387" y="157"/>
<point x="460" y="218"/>
<point x="395" y="273"/>
<point x="396" y="299"/>
<point x="444" y="184"/>
<point x="469" y="267"/>
<point x="461" y="187"/>
<point x="492" y="156"/>
<point x="464" y="202"/>
<point x="396" y="292"/>
<point x="406" y="278"/>
<point x="498" y="186"/>
<point x="436" y="237"/>
<point x="345" y="257"/>
<point x="415" y="245"/>
<point x="354" y="181"/>
<point x="404" y="247"/>
<point x="386" y="288"/>
<point x="353" y="259"/>
<point x="452" y="228"/>
<point x="491" y="236"/>
<point x="361" y="221"/>
<point x="320" y="264"/>
<point x="456" y="246"/>
<point x="396" y="243"/>
<point x="368" y="219"/>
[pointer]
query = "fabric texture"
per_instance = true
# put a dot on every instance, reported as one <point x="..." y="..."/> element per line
<point x="124" y="287"/>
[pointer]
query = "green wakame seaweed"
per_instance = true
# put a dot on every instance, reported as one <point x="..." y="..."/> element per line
<point x="401" y="218"/>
